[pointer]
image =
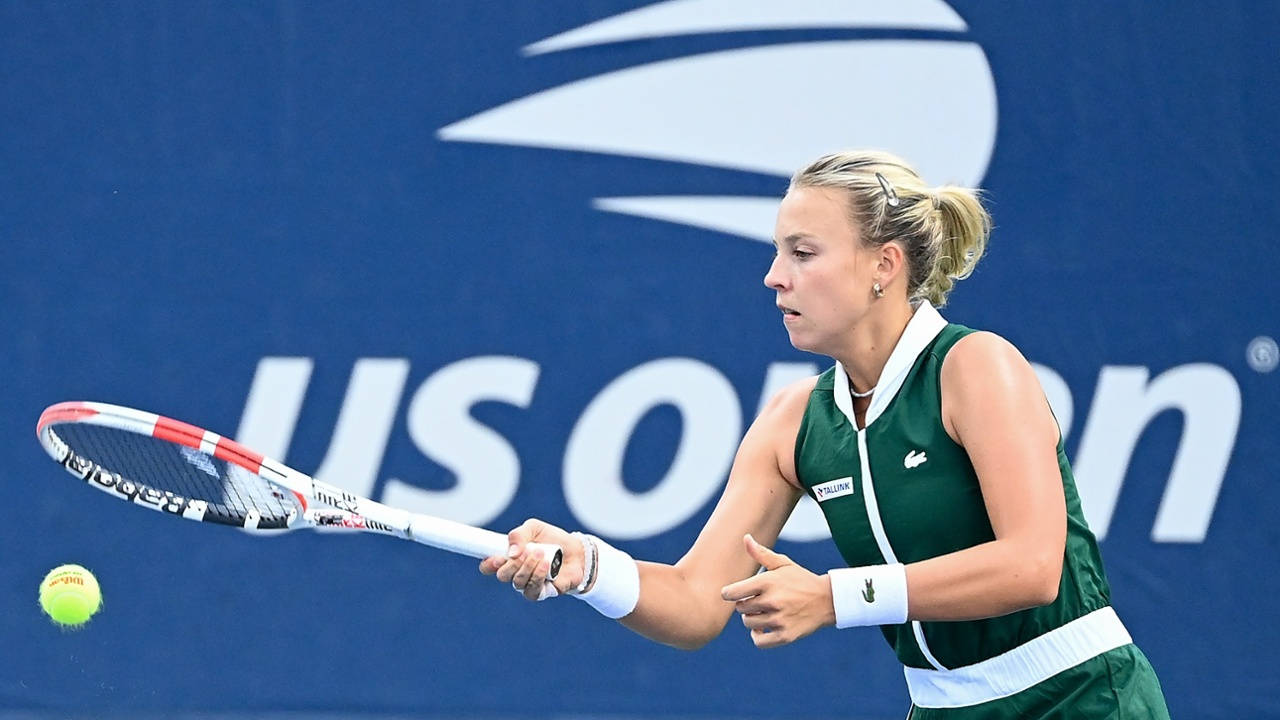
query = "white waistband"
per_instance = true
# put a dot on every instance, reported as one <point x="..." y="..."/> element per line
<point x="1020" y="668"/>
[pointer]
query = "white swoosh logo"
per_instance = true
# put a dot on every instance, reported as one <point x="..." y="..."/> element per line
<point x="748" y="217"/>
<point x="765" y="109"/>
<point x="769" y="109"/>
<point x="688" y="17"/>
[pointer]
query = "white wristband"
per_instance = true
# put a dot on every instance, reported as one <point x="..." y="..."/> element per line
<point x="617" y="588"/>
<point x="869" y="595"/>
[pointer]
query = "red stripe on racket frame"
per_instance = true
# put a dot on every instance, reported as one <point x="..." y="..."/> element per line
<point x="234" y="452"/>
<point x="177" y="432"/>
<point x="63" y="412"/>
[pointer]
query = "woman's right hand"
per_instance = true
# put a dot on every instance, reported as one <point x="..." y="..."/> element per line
<point x="526" y="570"/>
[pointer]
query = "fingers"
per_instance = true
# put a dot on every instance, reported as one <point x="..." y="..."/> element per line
<point x="770" y="638"/>
<point x="536" y="586"/>
<point x="506" y="567"/>
<point x="767" y="558"/>
<point x="531" y="574"/>
<point x="754" y="605"/>
<point x="527" y="570"/>
<point x="758" y="614"/>
<point x="743" y="589"/>
<point x="525" y="567"/>
<point x="759" y="621"/>
<point x="777" y="604"/>
<point x="490" y="565"/>
<point x="525" y="533"/>
<point x="766" y="631"/>
<point x="761" y="615"/>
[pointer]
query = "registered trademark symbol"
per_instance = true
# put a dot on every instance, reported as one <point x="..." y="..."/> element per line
<point x="1262" y="354"/>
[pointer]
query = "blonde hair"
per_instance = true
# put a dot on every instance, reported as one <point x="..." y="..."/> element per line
<point x="943" y="230"/>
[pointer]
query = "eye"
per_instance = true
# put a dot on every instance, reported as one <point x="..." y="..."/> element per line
<point x="801" y="254"/>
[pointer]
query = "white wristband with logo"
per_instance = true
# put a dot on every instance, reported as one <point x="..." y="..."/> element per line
<point x="617" y="589"/>
<point x="869" y="595"/>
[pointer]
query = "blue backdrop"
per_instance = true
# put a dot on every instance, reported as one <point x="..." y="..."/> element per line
<point x="502" y="259"/>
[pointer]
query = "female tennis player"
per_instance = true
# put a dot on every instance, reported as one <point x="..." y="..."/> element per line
<point x="933" y="454"/>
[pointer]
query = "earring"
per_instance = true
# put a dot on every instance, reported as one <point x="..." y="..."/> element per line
<point x="879" y="291"/>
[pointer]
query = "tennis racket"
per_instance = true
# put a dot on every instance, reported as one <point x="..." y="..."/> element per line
<point x="183" y="470"/>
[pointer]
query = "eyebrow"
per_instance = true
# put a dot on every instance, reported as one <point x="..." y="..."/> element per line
<point x="793" y="238"/>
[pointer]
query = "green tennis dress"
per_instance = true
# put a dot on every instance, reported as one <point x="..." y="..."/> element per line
<point x="901" y="490"/>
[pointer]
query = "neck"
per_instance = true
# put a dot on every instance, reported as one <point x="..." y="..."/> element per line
<point x="872" y="341"/>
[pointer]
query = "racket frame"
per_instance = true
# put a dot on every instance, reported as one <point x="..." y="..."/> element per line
<point x="321" y="506"/>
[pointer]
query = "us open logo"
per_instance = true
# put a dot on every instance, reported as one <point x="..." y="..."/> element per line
<point x="767" y="108"/>
<point x="905" y="76"/>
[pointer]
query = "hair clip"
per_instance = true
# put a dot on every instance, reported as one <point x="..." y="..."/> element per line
<point x="890" y="195"/>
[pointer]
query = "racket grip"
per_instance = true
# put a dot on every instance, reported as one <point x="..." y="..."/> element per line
<point x="464" y="539"/>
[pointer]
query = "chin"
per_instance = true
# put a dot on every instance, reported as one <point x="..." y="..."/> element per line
<point x="800" y="342"/>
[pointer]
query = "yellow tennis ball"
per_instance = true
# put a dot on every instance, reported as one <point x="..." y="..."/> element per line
<point x="70" y="595"/>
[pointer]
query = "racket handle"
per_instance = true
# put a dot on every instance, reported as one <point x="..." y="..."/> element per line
<point x="467" y="540"/>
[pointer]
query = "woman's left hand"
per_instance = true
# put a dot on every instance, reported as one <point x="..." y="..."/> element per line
<point x="782" y="604"/>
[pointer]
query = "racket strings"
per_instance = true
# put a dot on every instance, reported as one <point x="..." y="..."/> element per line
<point x="231" y="492"/>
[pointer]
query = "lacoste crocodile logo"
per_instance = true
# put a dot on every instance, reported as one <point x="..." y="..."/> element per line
<point x="913" y="459"/>
<point x="870" y="593"/>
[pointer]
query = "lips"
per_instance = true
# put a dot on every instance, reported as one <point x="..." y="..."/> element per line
<point x="786" y="311"/>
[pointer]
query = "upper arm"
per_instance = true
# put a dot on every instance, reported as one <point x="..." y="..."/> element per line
<point x="760" y="495"/>
<point x="994" y="407"/>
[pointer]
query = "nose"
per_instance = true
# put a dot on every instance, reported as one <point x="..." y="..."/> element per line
<point x="774" y="278"/>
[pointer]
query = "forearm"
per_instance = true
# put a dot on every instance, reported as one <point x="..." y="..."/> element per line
<point x="676" y="611"/>
<point x="987" y="580"/>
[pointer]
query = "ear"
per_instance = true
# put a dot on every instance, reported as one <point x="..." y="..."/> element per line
<point x="891" y="263"/>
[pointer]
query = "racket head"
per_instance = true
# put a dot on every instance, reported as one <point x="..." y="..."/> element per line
<point x="184" y="470"/>
<point x="171" y="466"/>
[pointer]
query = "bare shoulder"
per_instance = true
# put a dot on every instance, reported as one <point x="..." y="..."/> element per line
<point x="983" y="377"/>
<point x="776" y="427"/>
<point x="982" y="356"/>
<point x="790" y="401"/>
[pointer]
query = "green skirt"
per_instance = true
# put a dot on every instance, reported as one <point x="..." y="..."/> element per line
<point x="1118" y="684"/>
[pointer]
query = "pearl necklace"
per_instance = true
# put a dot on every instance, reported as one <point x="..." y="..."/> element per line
<point x="857" y="394"/>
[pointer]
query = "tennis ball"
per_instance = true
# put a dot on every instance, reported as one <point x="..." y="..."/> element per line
<point x="70" y="595"/>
